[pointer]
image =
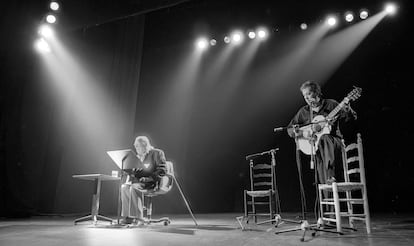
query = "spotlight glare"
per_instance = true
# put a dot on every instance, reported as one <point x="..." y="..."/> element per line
<point x="303" y="26"/>
<point x="54" y="6"/>
<point x="251" y="35"/>
<point x="51" y="19"/>
<point x="46" y="31"/>
<point x="226" y="39"/>
<point x="42" y="46"/>
<point x="262" y="33"/>
<point x="202" y="43"/>
<point x="213" y="42"/>
<point x="390" y="8"/>
<point x="237" y="37"/>
<point x="349" y="17"/>
<point x="331" y="21"/>
<point x="363" y="14"/>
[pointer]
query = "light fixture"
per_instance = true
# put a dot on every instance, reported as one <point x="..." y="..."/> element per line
<point x="262" y="33"/>
<point x="390" y="8"/>
<point x="363" y="14"/>
<point x="201" y="43"/>
<point x="45" y="31"/>
<point x="303" y="26"/>
<point x="349" y="16"/>
<point x="50" y="18"/>
<point x="42" y="46"/>
<point x="54" y="6"/>
<point x="251" y="35"/>
<point x="331" y="21"/>
<point x="226" y="40"/>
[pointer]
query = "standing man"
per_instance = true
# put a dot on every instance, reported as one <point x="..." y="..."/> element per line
<point x="152" y="165"/>
<point x="329" y="147"/>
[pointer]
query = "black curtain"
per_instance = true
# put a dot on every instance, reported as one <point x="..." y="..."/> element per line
<point x="42" y="141"/>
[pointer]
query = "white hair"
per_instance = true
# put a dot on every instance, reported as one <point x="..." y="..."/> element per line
<point x="143" y="140"/>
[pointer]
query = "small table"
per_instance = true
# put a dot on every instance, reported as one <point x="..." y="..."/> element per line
<point x="97" y="178"/>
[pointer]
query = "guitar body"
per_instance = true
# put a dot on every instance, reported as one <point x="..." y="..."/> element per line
<point x="314" y="131"/>
<point x="322" y="125"/>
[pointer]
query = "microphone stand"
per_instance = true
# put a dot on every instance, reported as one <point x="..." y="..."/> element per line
<point x="250" y="158"/>
<point x="304" y="224"/>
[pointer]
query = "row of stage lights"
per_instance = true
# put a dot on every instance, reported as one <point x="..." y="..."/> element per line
<point x="262" y="33"/>
<point x="45" y="30"/>
<point x="54" y="7"/>
<point x="236" y="37"/>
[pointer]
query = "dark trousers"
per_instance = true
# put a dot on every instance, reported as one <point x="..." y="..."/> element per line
<point x="328" y="158"/>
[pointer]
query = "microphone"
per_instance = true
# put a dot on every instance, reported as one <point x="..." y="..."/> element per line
<point x="279" y="129"/>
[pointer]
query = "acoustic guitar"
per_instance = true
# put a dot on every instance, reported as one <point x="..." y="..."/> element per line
<point x="323" y="125"/>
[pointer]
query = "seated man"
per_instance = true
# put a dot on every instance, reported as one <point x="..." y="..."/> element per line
<point x="154" y="163"/>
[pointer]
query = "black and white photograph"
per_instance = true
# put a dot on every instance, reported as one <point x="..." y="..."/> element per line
<point x="206" y="122"/>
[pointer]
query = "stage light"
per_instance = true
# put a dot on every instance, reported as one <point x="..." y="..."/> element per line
<point x="46" y="31"/>
<point x="363" y="14"/>
<point x="331" y="21"/>
<point x="349" y="17"/>
<point x="236" y="37"/>
<point x="50" y="18"/>
<point x="54" y="5"/>
<point x="251" y="35"/>
<point x="303" y="26"/>
<point x="390" y="8"/>
<point x="262" y="33"/>
<point x="226" y="40"/>
<point x="42" y="46"/>
<point x="213" y="42"/>
<point x="202" y="43"/>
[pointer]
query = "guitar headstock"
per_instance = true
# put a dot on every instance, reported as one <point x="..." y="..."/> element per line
<point x="354" y="94"/>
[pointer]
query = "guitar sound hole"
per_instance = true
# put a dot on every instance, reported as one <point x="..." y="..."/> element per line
<point x="316" y="128"/>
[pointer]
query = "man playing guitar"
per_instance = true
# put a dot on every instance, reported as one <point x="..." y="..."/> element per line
<point x="317" y="125"/>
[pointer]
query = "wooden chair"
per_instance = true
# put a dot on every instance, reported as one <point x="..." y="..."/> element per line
<point x="352" y="192"/>
<point x="261" y="197"/>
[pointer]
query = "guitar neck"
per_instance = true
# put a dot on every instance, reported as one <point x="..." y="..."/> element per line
<point x="332" y="114"/>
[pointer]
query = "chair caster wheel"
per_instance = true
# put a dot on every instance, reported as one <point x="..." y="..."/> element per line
<point x="167" y="222"/>
<point x="302" y="239"/>
<point x="313" y="234"/>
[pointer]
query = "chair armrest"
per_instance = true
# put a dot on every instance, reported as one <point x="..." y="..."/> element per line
<point x="164" y="184"/>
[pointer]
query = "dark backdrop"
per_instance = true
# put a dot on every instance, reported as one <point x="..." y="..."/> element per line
<point x="206" y="124"/>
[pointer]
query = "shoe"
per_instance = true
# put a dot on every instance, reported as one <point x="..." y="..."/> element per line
<point x="126" y="221"/>
<point x="330" y="180"/>
<point x="140" y="221"/>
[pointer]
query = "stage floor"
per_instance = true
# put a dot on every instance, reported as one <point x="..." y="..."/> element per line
<point x="212" y="229"/>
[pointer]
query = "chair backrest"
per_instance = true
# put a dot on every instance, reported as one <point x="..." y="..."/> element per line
<point x="166" y="181"/>
<point x="261" y="176"/>
<point x="353" y="159"/>
<point x="165" y="184"/>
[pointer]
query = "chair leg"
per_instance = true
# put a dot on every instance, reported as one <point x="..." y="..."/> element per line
<point x="149" y="208"/>
<point x="350" y="209"/>
<point x="270" y="206"/>
<point x="366" y="211"/>
<point x="254" y="210"/>
<point x="337" y="207"/>
<point x="245" y="204"/>
<point x="321" y="212"/>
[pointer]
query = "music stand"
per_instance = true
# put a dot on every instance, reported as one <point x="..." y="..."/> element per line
<point x="119" y="157"/>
